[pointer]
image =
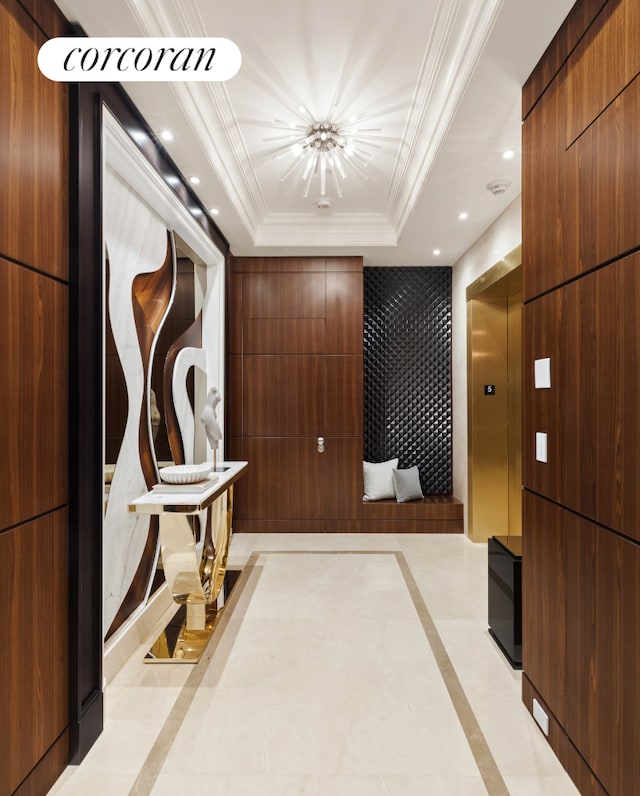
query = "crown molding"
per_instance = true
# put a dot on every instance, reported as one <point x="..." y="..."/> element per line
<point x="209" y="112"/>
<point x="451" y="55"/>
<point x="307" y="229"/>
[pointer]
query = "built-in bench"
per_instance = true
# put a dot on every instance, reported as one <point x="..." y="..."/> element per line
<point x="432" y="514"/>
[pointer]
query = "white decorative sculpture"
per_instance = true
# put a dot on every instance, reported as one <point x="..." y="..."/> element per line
<point x="209" y="420"/>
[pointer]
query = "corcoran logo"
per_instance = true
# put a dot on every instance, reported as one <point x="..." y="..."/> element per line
<point x="120" y="60"/>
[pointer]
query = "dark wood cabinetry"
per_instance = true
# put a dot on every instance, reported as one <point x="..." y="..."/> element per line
<point x="581" y="274"/>
<point x="295" y="376"/>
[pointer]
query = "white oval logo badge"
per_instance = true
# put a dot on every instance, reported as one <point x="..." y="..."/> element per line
<point x="120" y="60"/>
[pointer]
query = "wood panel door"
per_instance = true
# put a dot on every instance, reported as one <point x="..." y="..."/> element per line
<point x="296" y="377"/>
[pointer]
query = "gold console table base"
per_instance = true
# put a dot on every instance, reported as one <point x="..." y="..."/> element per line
<point x="177" y="644"/>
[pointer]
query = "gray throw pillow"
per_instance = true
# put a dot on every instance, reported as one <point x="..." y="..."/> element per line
<point x="378" y="482"/>
<point x="407" y="484"/>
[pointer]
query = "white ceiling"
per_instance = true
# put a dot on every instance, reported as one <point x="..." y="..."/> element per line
<point x="440" y="79"/>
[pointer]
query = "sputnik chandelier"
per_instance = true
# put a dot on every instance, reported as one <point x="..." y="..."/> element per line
<point x="326" y="149"/>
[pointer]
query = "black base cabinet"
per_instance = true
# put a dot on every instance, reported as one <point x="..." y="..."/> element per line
<point x="505" y="596"/>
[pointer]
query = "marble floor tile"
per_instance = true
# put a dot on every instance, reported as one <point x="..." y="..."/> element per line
<point x="118" y="752"/>
<point x="278" y="785"/>
<point x="541" y="786"/>
<point x="81" y="781"/>
<point x="143" y="703"/>
<point x="325" y="681"/>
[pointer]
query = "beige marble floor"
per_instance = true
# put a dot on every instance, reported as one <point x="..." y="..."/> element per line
<point x="326" y="679"/>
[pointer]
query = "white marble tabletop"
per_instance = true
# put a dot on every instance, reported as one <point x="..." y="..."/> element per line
<point x="189" y="503"/>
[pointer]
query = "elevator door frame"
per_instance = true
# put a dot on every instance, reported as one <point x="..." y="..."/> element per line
<point x="494" y="359"/>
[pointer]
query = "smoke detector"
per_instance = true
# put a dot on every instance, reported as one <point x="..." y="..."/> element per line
<point x="323" y="203"/>
<point x="498" y="187"/>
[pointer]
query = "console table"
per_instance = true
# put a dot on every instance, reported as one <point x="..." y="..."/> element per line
<point x="194" y="581"/>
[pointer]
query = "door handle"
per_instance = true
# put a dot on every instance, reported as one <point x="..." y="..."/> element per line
<point x="320" y="444"/>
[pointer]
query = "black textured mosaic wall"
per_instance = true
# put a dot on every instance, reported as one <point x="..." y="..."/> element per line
<point x="407" y="371"/>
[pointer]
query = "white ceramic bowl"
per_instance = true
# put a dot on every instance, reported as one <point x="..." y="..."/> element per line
<point x="185" y="473"/>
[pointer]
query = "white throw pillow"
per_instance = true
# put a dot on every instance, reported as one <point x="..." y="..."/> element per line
<point x="378" y="480"/>
<point x="407" y="484"/>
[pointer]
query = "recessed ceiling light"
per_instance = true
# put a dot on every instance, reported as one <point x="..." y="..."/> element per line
<point x="194" y="180"/>
<point x="436" y="252"/>
<point x="214" y="211"/>
<point x="166" y="135"/>
<point x="508" y="154"/>
<point x="463" y="216"/>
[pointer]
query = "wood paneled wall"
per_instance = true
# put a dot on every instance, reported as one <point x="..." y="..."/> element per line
<point x="295" y="374"/>
<point x="34" y="489"/>
<point x="581" y="274"/>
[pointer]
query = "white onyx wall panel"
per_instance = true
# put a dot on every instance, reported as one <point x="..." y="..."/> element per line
<point x="141" y="283"/>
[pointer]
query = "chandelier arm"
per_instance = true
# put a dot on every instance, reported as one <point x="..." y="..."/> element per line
<point x="281" y="151"/>
<point x="292" y="167"/>
<point x="336" y="181"/>
<point x="348" y="123"/>
<point x="279" y="124"/>
<point x="323" y="174"/>
<point x="338" y="166"/>
<point x="310" y="165"/>
<point x="305" y="193"/>
<point x="291" y="137"/>
<point x="358" y="168"/>
<point x="365" y="141"/>
<point x="303" y="112"/>
<point x="361" y="157"/>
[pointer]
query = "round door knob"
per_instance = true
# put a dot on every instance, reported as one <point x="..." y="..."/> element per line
<point x="320" y="444"/>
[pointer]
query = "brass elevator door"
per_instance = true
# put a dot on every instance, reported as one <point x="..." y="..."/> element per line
<point x="494" y="394"/>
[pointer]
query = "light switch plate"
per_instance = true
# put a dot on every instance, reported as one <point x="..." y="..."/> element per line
<point x="541" y="447"/>
<point x="542" y="374"/>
